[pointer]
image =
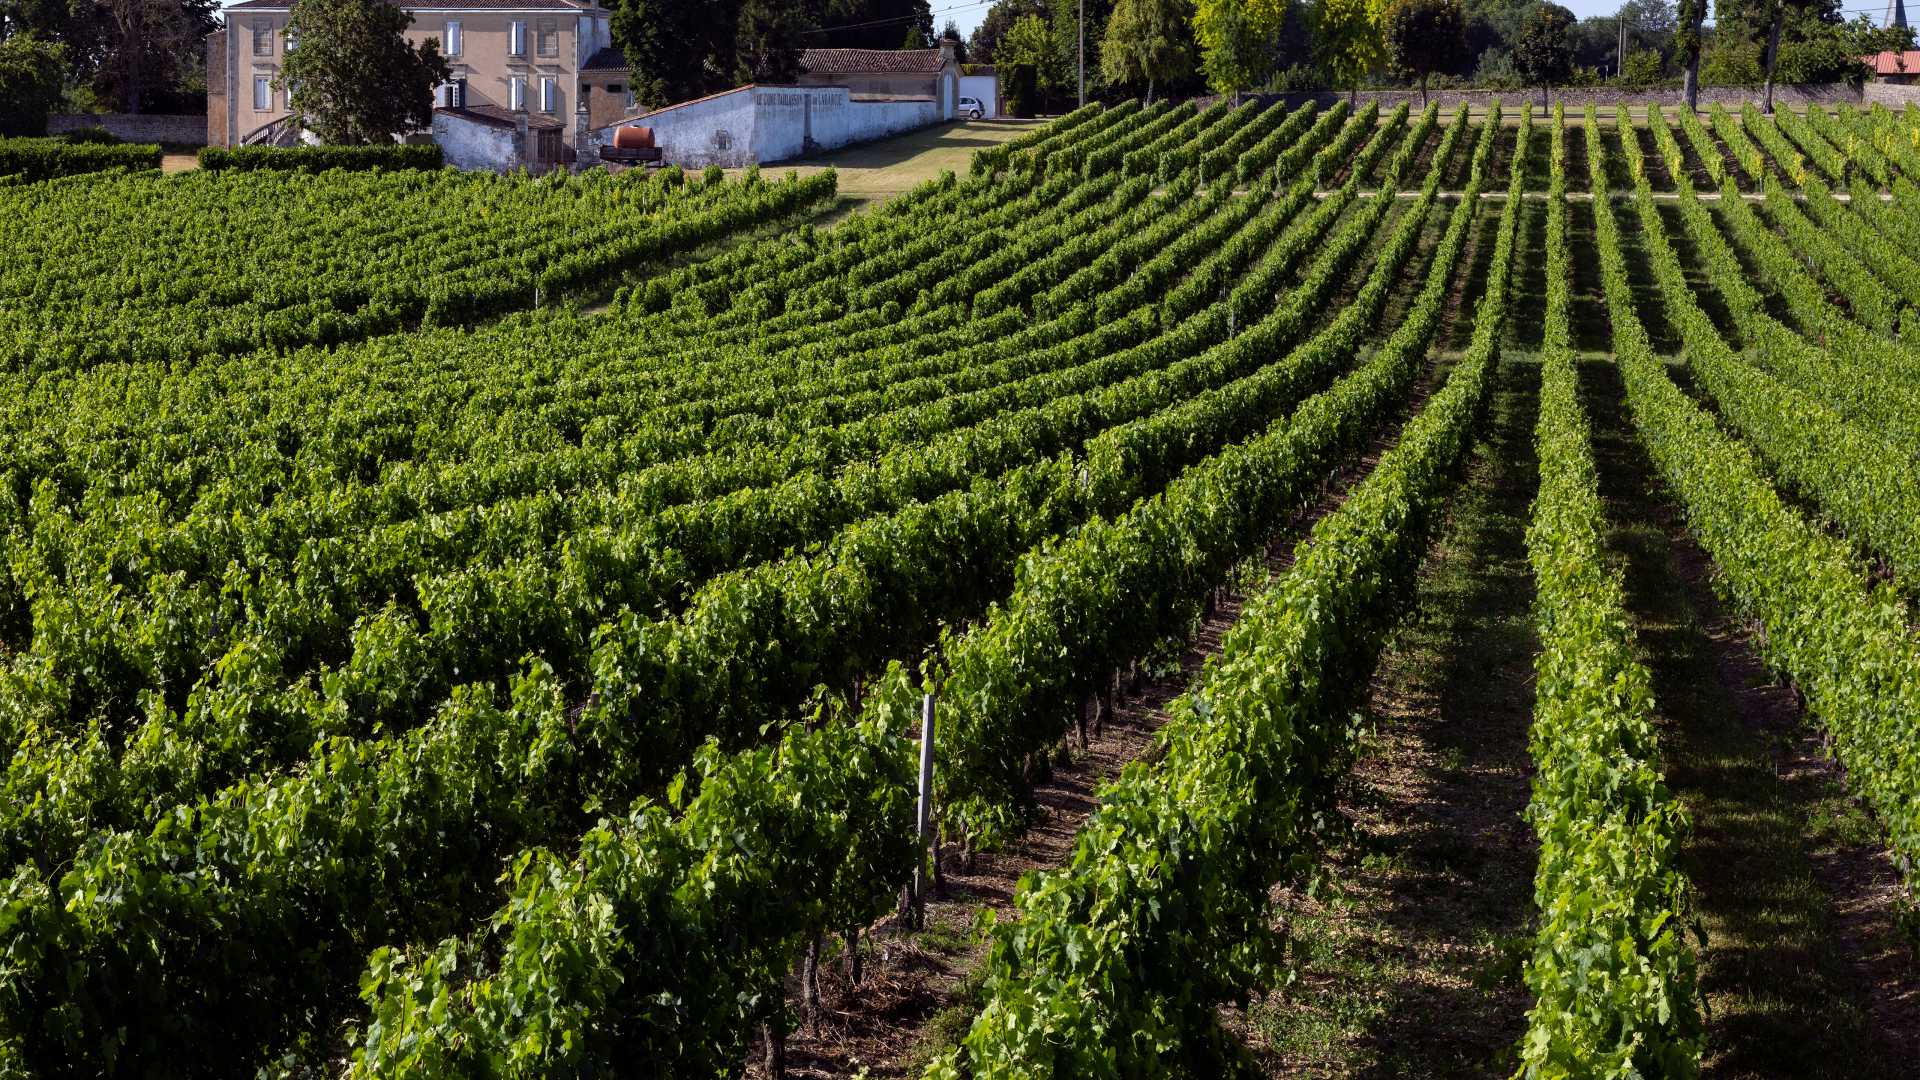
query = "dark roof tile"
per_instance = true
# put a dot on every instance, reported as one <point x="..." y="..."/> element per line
<point x="607" y="59"/>
<point x="495" y="116"/>
<point x="871" y="61"/>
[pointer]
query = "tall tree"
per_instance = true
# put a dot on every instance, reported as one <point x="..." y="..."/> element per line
<point x="32" y="71"/>
<point x="153" y="48"/>
<point x="353" y="77"/>
<point x="1543" y="52"/>
<point x="872" y="24"/>
<point x="950" y="33"/>
<point x="1237" y="41"/>
<point x="985" y="42"/>
<point x="678" y="49"/>
<point x="1348" y="40"/>
<point x="1028" y="42"/>
<point x="1687" y="40"/>
<point x="1148" y="41"/>
<point x="1424" y="36"/>
<point x="769" y="36"/>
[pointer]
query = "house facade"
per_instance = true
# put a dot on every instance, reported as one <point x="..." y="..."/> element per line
<point x="543" y="60"/>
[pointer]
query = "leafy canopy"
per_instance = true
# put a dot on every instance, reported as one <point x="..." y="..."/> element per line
<point x="1237" y="41"/>
<point x="352" y="75"/>
<point x="1543" y="52"/>
<point x="1349" y="42"/>
<point x="1424" y="36"/>
<point x="1148" y="41"/>
<point x="31" y="71"/>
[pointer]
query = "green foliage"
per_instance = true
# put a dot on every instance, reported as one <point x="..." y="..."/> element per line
<point x="1148" y="42"/>
<point x="1349" y="43"/>
<point x="32" y="72"/>
<point x="230" y="293"/>
<point x="1643" y="68"/>
<point x="1543" y="50"/>
<point x="313" y="159"/>
<point x="1611" y="971"/>
<point x="42" y="159"/>
<point x="1029" y="43"/>
<point x="1020" y="84"/>
<point x="1733" y="63"/>
<point x="1423" y="37"/>
<point x="1116" y="963"/>
<point x="1236" y="40"/>
<point x="353" y="78"/>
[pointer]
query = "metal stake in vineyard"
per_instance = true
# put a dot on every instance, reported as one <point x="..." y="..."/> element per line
<point x="925" y="812"/>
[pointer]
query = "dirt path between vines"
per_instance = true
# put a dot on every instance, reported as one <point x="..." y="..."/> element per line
<point x="919" y="990"/>
<point x="1408" y="955"/>
<point x="1804" y="972"/>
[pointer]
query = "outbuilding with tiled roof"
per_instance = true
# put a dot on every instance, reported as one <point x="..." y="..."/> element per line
<point x="880" y="74"/>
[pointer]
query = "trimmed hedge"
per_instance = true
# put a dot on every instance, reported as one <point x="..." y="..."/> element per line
<point x="321" y="158"/>
<point x="43" y="159"/>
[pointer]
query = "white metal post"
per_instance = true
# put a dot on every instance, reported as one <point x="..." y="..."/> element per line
<point x="925" y="810"/>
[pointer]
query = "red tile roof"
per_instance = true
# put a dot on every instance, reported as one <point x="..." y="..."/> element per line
<point x="1895" y="63"/>
<point x="871" y="61"/>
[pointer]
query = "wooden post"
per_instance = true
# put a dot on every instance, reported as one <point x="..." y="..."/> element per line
<point x="925" y="833"/>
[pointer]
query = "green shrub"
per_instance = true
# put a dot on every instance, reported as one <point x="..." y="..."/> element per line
<point x="322" y="158"/>
<point x="41" y="159"/>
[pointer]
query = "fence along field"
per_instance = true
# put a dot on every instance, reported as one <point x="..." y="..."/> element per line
<point x="405" y="699"/>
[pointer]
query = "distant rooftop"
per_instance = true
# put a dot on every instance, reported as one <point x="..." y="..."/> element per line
<point x="871" y="61"/>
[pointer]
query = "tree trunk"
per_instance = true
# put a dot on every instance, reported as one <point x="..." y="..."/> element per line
<point x="1149" y="89"/>
<point x="1773" y="49"/>
<point x="774" y="1031"/>
<point x="810" y="982"/>
<point x="1423" y="90"/>
<point x="1543" y="99"/>
<point x="855" y="964"/>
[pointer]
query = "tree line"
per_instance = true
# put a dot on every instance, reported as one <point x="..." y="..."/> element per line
<point x="1228" y="46"/>
<point x="101" y="56"/>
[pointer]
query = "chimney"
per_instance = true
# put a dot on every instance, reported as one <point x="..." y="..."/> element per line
<point x="950" y="51"/>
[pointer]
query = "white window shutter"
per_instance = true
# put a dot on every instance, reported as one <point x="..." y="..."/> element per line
<point x="517" y="45"/>
<point x="440" y="95"/>
<point x="546" y="94"/>
<point x="517" y="93"/>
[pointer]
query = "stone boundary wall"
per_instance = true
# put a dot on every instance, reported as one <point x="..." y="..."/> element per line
<point x="1892" y="95"/>
<point x="190" y="130"/>
<point x="1580" y="97"/>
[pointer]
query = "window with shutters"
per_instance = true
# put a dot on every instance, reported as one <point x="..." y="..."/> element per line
<point x="263" y="38"/>
<point x="450" y="44"/>
<point x="549" y="38"/>
<point x="517" y="38"/>
<point x="263" y="93"/>
<point x="457" y="94"/>
<point x="517" y="93"/>
<point x="549" y="93"/>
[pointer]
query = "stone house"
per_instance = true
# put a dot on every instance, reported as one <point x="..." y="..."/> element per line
<point x="538" y="66"/>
